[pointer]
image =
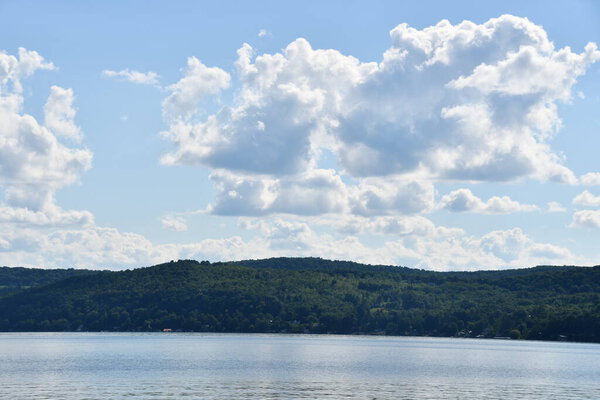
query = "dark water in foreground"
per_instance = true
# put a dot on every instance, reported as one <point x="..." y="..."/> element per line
<point x="212" y="366"/>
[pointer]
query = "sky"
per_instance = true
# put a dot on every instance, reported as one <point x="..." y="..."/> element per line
<point x="439" y="135"/>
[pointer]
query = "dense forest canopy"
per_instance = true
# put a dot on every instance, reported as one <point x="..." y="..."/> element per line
<point x="307" y="295"/>
<point x="15" y="279"/>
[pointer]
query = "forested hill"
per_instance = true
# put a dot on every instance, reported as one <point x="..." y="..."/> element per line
<point x="323" y="265"/>
<point x="312" y="295"/>
<point x="15" y="279"/>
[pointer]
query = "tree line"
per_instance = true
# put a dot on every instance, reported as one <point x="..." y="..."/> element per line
<point x="312" y="295"/>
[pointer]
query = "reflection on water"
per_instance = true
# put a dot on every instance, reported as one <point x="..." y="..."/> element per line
<point x="213" y="366"/>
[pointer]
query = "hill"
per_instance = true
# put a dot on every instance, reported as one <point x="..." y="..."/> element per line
<point x="317" y="296"/>
<point x="15" y="279"/>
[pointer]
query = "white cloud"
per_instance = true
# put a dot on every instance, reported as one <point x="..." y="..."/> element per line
<point x="586" y="198"/>
<point x="59" y="113"/>
<point x="549" y="253"/>
<point x="173" y="224"/>
<point x="586" y="219"/>
<point x="142" y="78"/>
<point x="242" y="196"/>
<point x="198" y="82"/>
<point x="263" y="33"/>
<point x="375" y="196"/>
<point x="317" y="192"/>
<point x="513" y="246"/>
<point x="100" y="246"/>
<point x="590" y="179"/>
<point x="313" y="193"/>
<point x="463" y="200"/>
<point x="284" y="235"/>
<point x="416" y="242"/>
<point x="506" y="245"/>
<point x="555" y="207"/>
<point x="301" y="84"/>
<point x="13" y="69"/>
<point x="50" y="216"/>
<point x="20" y="241"/>
<point x="34" y="164"/>
<point x="467" y="102"/>
<point x="458" y="131"/>
<point x="412" y="225"/>
<point x="419" y="243"/>
<point x="446" y="103"/>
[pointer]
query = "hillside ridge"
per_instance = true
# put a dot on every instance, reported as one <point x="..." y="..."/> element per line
<point x="312" y="295"/>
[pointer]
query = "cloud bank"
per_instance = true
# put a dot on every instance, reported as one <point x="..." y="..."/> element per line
<point x="467" y="102"/>
<point x="317" y="150"/>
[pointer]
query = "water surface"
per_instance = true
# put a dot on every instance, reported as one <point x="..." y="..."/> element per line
<point x="231" y="366"/>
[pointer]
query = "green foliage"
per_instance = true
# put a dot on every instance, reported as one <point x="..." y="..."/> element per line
<point x="312" y="295"/>
<point x="15" y="279"/>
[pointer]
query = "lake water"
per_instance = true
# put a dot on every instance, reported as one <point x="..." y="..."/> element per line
<point x="230" y="366"/>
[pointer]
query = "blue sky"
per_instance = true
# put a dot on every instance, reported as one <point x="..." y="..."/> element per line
<point x="133" y="133"/>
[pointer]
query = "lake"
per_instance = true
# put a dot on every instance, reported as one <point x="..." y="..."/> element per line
<point x="252" y="366"/>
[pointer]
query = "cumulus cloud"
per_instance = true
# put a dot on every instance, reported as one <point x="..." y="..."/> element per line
<point x="14" y="69"/>
<point x="34" y="163"/>
<point x="173" y="224"/>
<point x="506" y="245"/>
<point x="418" y="243"/>
<point x="514" y="244"/>
<point x="300" y="84"/>
<point x="50" y="216"/>
<point x="314" y="193"/>
<point x="590" y="179"/>
<point x="467" y="102"/>
<point x="100" y="246"/>
<point x="555" y="207"/>
<point x="284" y="235"/>
<point x="462" y="102"/>
<point x="263" y="33"/>
<point x="412" y="225"/>
<point x="586" y="198"/>
<point x="142" y="78"/>
<point x="374" y="196"/>
<point x="415" y="241"/>
<point x="496" y="250"/>
<point x="24" y="241"/>
<point x="198" y="82"/>
<point x="59" y="113"/>
<point x="586" y="219"/>
<point x="463" y="200"/>
<point x="317" y="192"/>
